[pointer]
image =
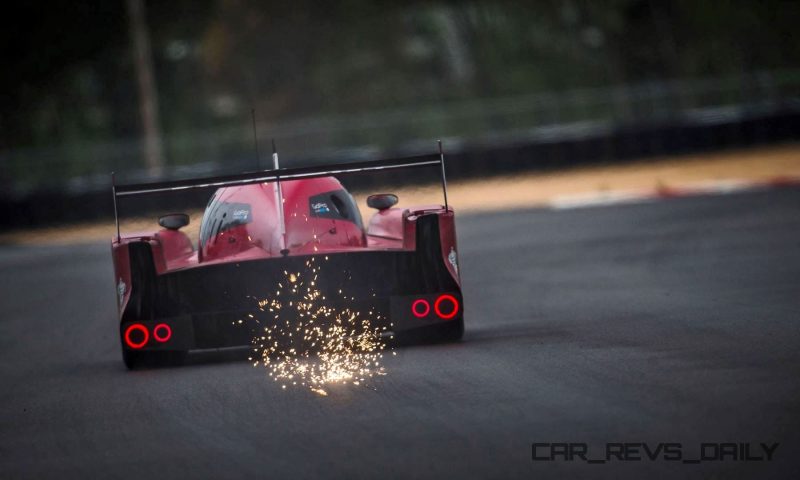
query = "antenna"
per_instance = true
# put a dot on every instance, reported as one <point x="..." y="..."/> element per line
<point x="255" y="138"/>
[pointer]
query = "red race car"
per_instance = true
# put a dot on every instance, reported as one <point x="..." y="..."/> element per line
<point x="175" y="296"/>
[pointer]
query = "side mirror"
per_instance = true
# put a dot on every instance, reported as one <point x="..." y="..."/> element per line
<point x="382" y="201"/>
<point x="174" y="221"/>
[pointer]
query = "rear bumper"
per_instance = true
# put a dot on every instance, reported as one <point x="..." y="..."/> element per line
<point x="221" y="305"/>
<point x="404" y="316"/>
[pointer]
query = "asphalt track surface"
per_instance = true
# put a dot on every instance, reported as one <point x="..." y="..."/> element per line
<point x="674" y="321"/>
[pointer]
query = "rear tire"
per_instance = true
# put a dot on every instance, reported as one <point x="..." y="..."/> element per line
<point x="130" y="358"/>
<point x="448" y="332"/>
<point x="452" y="334"/>
<point x="164" y="358"/>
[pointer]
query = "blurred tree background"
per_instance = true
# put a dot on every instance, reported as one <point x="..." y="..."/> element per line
<point x="70" y="94"/>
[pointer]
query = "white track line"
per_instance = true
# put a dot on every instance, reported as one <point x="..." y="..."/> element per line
<point x="715" y="187"/>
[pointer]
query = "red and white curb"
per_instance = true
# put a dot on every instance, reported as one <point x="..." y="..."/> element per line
<point x="715" y="187"/>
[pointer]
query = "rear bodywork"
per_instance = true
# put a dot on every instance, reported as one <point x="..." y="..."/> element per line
<point x="176" y="296"/>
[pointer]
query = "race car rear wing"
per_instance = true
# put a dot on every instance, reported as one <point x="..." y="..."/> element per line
<point x="279" y="174"/>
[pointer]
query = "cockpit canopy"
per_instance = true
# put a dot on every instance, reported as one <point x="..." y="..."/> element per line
<point x="319" y="214"/>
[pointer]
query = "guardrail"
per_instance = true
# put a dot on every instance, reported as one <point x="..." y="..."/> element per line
<point x="481" y="137"/>
<point x="537" y="117"/>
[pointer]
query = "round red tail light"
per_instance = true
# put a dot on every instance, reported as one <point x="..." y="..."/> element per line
<point x="420" y="308"/>
<point x="162" y="332"/>
<point x="136" y="336"/>
<point x="450" y="311"/>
